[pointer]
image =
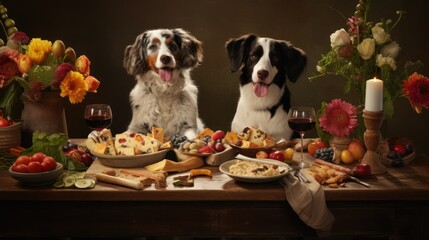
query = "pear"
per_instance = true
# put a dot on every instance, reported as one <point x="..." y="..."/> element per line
<point x="70" y="55"/>
<point x="58" y="48"/>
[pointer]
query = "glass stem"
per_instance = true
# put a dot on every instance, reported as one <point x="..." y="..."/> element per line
<point x="302" y="147"/>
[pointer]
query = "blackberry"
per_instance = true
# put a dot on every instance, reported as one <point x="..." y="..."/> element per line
<point x="177" y="139"/>
<point x="326" y="154"/>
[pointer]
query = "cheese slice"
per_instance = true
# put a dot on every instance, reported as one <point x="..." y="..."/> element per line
<point x="124" y="144"/>
<point x="145" y="144"/>
<point x="105" y="136"/>
<point x="158" y="134"/>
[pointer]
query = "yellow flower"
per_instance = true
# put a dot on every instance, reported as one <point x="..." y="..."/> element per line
<point x="38" y="50"/>
<point x="74" y="86"/>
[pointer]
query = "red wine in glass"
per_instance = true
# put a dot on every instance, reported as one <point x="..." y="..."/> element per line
<point x="302" y="119"/>
<point x="301" y="125"/>
<point x="98" y="116"/>
<point x="98" y="122"/>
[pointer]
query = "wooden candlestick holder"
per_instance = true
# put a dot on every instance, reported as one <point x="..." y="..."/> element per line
<point x="373" y="121"/>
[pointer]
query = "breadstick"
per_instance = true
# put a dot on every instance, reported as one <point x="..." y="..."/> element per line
<point x="119" y="181"/>
<point x="334" y="166"/>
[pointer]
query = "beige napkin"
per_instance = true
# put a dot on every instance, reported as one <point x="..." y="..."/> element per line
<point x="308" y="201"/>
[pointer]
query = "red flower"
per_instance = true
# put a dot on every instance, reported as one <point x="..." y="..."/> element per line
<point x="61" y="72"/>
<point x="21" y="37"/>
<point x="339" y="119"/>
<point x="416" y="89"/>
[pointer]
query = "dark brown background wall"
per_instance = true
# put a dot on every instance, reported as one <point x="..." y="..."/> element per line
<point x="101" y="29"/>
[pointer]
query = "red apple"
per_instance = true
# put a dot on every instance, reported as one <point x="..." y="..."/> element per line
<point x="277" y="155"/>
<point x="362" y="170"/>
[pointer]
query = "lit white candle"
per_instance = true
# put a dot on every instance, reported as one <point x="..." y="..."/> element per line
<point x="374" y="95"/>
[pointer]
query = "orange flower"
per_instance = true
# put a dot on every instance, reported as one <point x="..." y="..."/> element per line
<point x="24" y="64"/>
<point x="82" y="65"/>
<point x="93" y="84"/>
<point x="416" y="89"/>
<point x="38" y="50"/>
<point x="74" y="86"/>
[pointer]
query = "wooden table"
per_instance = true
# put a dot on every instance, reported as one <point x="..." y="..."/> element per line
<point x="396" y="205"/>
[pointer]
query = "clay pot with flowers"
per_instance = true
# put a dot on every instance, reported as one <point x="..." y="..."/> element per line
<point x="39" y="74"/>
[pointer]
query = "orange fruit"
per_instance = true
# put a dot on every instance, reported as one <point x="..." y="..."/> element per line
<point x="312" y="147"/>
<point x="288" y="153"/>
<point x="346" y="156"/>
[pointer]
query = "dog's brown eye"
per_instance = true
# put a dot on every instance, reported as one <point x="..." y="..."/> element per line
<point x="253" y="57"/>
<point x="153" y="47"/>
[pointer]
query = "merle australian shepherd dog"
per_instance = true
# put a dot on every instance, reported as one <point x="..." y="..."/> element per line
<point x="164" y="95"/>
<point x="266" y="64"/>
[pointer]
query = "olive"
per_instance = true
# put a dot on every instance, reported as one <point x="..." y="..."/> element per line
<point x="4" y="16"/>
<point x="9" y="23"/>
<point x="3" y="10"/>
<point x="11" y="31"/>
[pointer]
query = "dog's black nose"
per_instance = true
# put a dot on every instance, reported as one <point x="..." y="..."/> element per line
<point x="262" y="74"/>
<point x="165" y="59"/>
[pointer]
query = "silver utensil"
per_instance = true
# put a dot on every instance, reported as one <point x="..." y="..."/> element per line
<point x="359" y="181"/>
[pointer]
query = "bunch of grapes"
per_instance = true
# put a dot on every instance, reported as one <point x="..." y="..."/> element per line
<point x="326" y="154"/>
<point x="177" y="139"/>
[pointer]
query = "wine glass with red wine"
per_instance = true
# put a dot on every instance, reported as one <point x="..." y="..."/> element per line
<point x="302" y="119"/>
<point x="98" y="116"/>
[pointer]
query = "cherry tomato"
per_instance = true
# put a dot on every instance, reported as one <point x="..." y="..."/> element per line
<point x="277" y="155"/>
<point x="35" y="167"/>
<point x="49" y="163"/>
<point x="22" y="168"/>
<point x="4" y="122"/>
<point x="37" y="157"/>
<point x="23" y="160"/>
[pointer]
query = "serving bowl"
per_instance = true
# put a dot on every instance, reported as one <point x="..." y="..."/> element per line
<point x="38" y="179"/>
<point x="251" y="152"/>
<point x="123" y="161"/>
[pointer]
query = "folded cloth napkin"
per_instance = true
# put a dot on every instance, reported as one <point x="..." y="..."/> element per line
<point x="308" y="201"/>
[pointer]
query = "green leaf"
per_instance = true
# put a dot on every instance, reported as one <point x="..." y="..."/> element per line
<point x="43" y="74"/>
<point x="51" y="145"/>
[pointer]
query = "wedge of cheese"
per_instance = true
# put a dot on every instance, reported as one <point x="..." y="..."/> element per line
<point x="101" y="143"/>
<point x="145" y="144"/>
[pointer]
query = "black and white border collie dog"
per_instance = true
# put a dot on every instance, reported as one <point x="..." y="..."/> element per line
<point x="266" y="64"/>
<point x="164" y="95"/>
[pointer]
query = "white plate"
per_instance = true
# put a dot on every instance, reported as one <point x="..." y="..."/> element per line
<point x="224" y="168"/>
<point x="123" y="161"/>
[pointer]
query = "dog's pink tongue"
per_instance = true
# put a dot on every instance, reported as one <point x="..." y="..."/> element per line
<point x="165" y="74"/>
<point x="260" y="89"/>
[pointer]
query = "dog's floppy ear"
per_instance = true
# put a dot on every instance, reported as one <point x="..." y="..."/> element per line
<point x="191" y="48"/>
<point x="238" y="49"/>
<point x="135" y="56"/>
<point x="295" y="61"/>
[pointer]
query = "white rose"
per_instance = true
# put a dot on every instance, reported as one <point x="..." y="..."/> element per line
<point x="366" y="48"/>
<point x="339" y="38"/>
<point x="389" y="61"/>
<point x="379" y="34"/>
<point x="391" y="50"/>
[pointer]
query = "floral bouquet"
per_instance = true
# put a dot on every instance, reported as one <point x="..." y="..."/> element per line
<point x="31" y="66"/>
<point x="366" y="50"/>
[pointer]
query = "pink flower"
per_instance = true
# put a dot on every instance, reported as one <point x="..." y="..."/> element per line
<point x="61" y="72"/>
<point x="339" y="119"/>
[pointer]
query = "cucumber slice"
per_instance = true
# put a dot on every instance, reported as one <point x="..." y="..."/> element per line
<point x="69" y="180"/>
<point x="59" y="184"/>
<point x="79" y="174"/>
<point x="83" y="183"/>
